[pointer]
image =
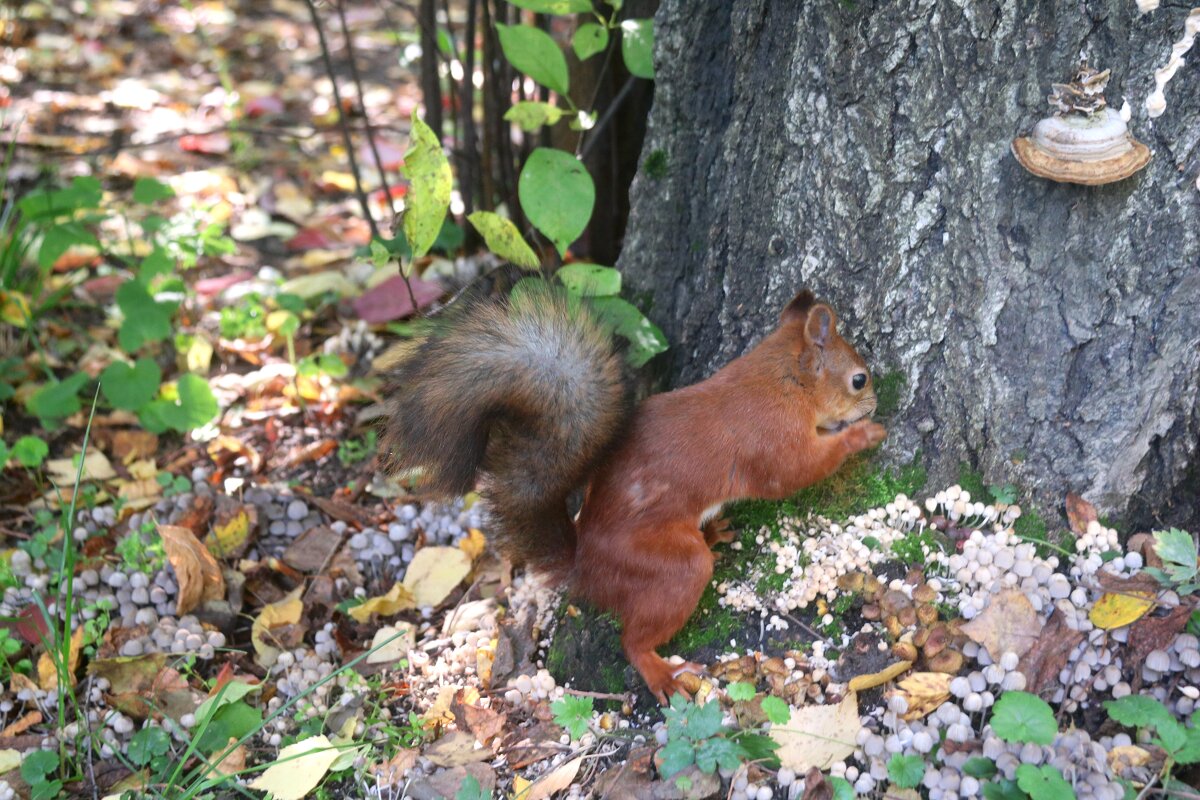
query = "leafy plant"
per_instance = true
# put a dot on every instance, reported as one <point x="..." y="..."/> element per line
<point x="906" y="771"/>
<point x="1177" y="550"/>
<point x="352" y="451"/>
<point x="30" y="451"/>
<point x="1181" y="744"/>
<point x="573" y="713"/>
<point x="1023" y="717"/>
<point x="38" y="769"/>
<point x="696" y="735"/>
<point x="1044" y="782"/>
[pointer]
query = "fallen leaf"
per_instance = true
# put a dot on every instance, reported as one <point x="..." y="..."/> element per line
<point x="473" y="544"/>
<point x="393" y="771"/>
<point x="313" y="550"/>
<point x="860" y="683"/>
<point x="397" y="599"/>
<point x="1079" y="513"/>
<point x="456" y="749"/>
<point x="96" y="467"/>
<point x="1009" y="623"/>
<point x="817" y="736"/>
<point x="1042" y="662"/>
<point x="485" y="723"/>
<point x="434" y="572"/>
<point x="816" y="787"/>
<point x="1156" y="633"/>
<point x="298" y="770"/>
<point x="229" y="449"/>
<point x="284" y="612"/>
<point x="556" y="780"/>
<point x="48" y="670"/>
<point x="234" y="762"/>
<point x="390" y="300"/>
<point x="447" y="783"/>
<point x="392" y="643"/>
<point x="1123" y="757"/>
<point x="924" y="691"/>
<point x="230" y="534"/>
<point x="21" y="725"/>
<point x="9" y="760"/>
<point x="320" y="282"/>
<point x="198" y="573"/>
<point x="1118" y="610"/>
<point x="128" y="446"/>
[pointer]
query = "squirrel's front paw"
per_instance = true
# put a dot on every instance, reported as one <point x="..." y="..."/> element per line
<point x="864" y="434"/>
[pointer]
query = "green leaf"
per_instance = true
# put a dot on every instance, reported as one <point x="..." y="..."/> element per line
<point x="146" y="744"/>
<point x="1137" y="711"/>
<point x="428" y="197"/>
<point x="1003" y="790"/>
<point x="230" y="693"/>
<point x="1044" y="783"/>
<point x="645" y="339"/>
<point x="979" y="767"/>
<point x="57" y="400"/>
<point x="637" y="47"/>
<point x="1006" y="494"/>
<point x="557" y="194"/>
<point x="530" y="115"/>
<point x="83" y="193"/>
<point x="758" y="747"/>
<point x="503" y="239"/>
<point x="1190" y="752"/>
<point x="39" y="765"/>
<point x="45" y="791"/>
<point x="1178" y="552"/>
<point x="535" y="53"/>
<point x="573" y="713"/>
<point x="555" y="6"/>
<point x="196" y="406"/>
<point x="471" y="790"/>
<point x="906" y="771"/>
<point x="701" y="722"/>
<point x="159" y="262"/>
<point x="58" y="239"/>
<point x="150" y="190"/>
<point x="1023" y="717"/>
<point x="5" y="454"/>
<point x="776" y="710"/>
<point x="589" y="39"/>
<point x="590" y="280"/>
<point x="146" y="319"/>
<point x="842" y="789"/>
<point x="1172" y="736"/>
<point x="229" y="722"/>
<point x="717" y="752"/>
<point x="130" y="388"/>
<point x="379" y="254"/>
<point x="739" y="691"/>
<point x="677" y="755"/>
<point x="30" y="451"/>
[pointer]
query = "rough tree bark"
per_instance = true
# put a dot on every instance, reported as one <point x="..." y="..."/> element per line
<point x="1047" y="334"/>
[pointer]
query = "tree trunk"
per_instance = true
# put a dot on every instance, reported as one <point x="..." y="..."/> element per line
<point x="1046" y="334"/>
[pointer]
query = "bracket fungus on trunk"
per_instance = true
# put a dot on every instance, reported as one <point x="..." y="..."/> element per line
<point x="1085" y="141"/>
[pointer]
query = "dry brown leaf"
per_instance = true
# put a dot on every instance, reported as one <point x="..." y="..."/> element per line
<point x="924" y="691"/>
<point x="556" y="781"/>
<point x="96" y="467"/>
<point x="1042" y="663"/>
<point x="313" y="550"/>
<point x="48" y="670"/>
<point x="198" y="573"/>
<point x="456" y="749"/>
<point x="1079" y="513"/>
<point x="284" y="613"/>
<point x="860" y="683"/>
<point x="129" y="446"/>
<point x="1155" y="633"/>
<point x="1009" y="623"/>
<point x="230" y="534"/>
<point x="817" y="736"/>
<point x="485" y="723"/>
<point x="234" y="762"/>
<point x="23" y="724"/>
<point x="393" y="771"/>
<point x="816" y="787"/>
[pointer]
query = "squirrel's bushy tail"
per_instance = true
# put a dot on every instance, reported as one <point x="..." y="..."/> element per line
<point x="523" y="395"/>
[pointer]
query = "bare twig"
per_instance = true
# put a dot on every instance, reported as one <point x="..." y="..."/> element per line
<point x="606" y="118"/>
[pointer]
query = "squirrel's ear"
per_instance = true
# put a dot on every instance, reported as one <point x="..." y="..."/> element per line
<point x="821" y="324"/>
<point x="798" y="309"/>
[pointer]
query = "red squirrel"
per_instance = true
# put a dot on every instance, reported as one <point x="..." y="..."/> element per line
<point x="525" y="400"/>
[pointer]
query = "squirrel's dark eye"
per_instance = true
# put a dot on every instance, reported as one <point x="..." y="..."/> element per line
<point x="859" y="381"/>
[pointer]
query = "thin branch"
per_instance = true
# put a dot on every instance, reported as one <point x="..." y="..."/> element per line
<point x="609" y="113"/>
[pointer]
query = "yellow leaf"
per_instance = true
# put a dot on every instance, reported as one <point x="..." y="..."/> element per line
<point x="14" y="309"/>
<point x="434" y="572"/>
<point x="230" y="536"/>
<point x="198" y="573"/>
<point x="285" y="612"/>
<point x="817" y="736"/>
<point x="338" y="180"/>
<point x="96" y="467"/>
<point x="860" y="683"/>
<point x="48" y="668"/>
<point x="556" y="781"/>
<point x="924" y="691"/>
<point x="397" y="599"/>
<point x="1123" y="757"/>
<point x="391" y="642"/>
<point x="473" y="543"/>
<point x="298" y="770"/>
<point x="1118" y="610"/>
<point x="321" y="282"/>
<point x="520" y="787"/>
<point x="9" y="760"/>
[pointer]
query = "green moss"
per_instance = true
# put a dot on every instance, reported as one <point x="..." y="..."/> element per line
<point x="972" y="481"/>
<point x="861" y="484"/>
<point x="655" y="166"/>
<point x="888" y="387"/>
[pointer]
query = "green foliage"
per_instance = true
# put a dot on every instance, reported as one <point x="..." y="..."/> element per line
<point x="57" y="400"/>
<point x="428" y="172"/>
<point x="37" y="769"/>
<point x="637" y="47"/>
<point x="173" y="485"/>
<point x="695" y="735"/>
<point x="146" y="319"/>
<point x="130" y="388"/>
<point x="193" y="406"/>
<point x="739" y="691"/>
<point x="557" y="195"/>
<point x="914" y="548"/>
<point x="147" y="745"/>
<point x="530" y="115"/>
<point x="589" y="39"/>
<point x="645" y="339"/>
<point x="842" y="789"/>
<point x="246" y="319"/>
<point x="555" y="6"/>
<point x="1177" y="550"/>
<point x="30" y="451"/>
<point x="979" y="767"/>
<point x="141" y="551"/>
<point x="503" y="239"/>
<point x="1181" y="744"/>
<point x="573" y="713"/>
<point x="777" y="711"/>
<point x="590" y="280"/>
<point x="148" y="191"/>
<point x="10" y="648"/>
<point x="533" y="52"/>
<point x="231" y="721"/>
<point x="471" y="790"/>
<point x="1003" y="789"/>
<point x="321" y="364"/>
<point x="1023" y="717"/>
<point x="906" y="771"/>
<point x="656" y="164"/>
<point x="1044" y="782"/>
<point x="352" y="451"/>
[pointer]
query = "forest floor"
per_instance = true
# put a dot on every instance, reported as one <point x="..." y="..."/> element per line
<point x="225" y="596"/>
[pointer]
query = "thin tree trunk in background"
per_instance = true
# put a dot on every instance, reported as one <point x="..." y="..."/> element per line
<point x="431" y="85"/>
<point x="1045" y="334"/>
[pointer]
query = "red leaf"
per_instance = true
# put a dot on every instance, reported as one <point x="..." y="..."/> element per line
<point x="390" y="301"/>
<point x="261" y="106"/>
<point x="1079" y="513"/>
<point x="311" y="239"/>
<point x="211" y="286"/>
<point x="207" y="143"/>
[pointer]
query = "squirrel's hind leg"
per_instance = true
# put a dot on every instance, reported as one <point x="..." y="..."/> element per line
<point x="674" y="573"/>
